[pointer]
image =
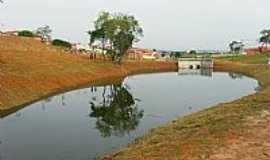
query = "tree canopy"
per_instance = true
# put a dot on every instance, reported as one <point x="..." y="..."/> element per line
<point x="118" y="30"/>
<point x="61" y="43"/>
<point x="265" y="37"/>
<point x="26" y="33"/>
<point x="236" y="46"/>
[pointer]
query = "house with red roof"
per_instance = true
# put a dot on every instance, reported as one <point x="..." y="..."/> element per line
<point x="257" y="50"/>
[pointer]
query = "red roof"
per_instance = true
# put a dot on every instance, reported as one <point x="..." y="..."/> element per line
<point x="257" y="50"/>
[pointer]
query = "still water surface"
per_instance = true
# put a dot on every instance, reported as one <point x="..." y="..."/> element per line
<point x="86" y="123"/>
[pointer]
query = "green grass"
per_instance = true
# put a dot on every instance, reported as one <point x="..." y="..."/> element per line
<point x="251" y="59"/>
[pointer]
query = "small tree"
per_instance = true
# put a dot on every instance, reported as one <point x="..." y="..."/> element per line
<point x="45" y="33"/>
<point x="61" y="43"/>
<point x="26" y="33"/>
<point x="236" y="46"/>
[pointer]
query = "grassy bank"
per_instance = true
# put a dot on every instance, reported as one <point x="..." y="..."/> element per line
<point x="199" y="135"/>
<point x="252" y="59"/>
<point x="30" y="70"/>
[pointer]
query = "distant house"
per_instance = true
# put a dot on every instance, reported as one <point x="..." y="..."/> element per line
<point x="9" y="33"/>
<point x="257" y="50"/>
<point x="79" y="46"/>
<point x="16" y="33"/>
<point x="140" y="53"/>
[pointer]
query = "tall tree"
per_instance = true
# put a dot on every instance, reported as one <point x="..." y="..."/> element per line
<point x="99" y="32"/>
<point x="126" y="32"/>
<point x="265" y="38"/>
<point x="119" y="30"/>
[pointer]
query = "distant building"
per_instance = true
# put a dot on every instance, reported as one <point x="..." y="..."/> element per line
<point x="79" y="46"/>
<point x="140" y="53"/>
<point x="10" y="33"/>
<point x="257" y="50"/>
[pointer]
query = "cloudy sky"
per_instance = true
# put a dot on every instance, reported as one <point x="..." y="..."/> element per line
<point x="168" y="24"/>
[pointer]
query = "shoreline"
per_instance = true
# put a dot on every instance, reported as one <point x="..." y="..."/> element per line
<point x="201" y="134"/>
<point x="99" y="80"/>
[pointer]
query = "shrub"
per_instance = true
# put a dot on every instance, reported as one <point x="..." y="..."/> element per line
<point x="61" y="43"/>
<point x="26" y="33"/>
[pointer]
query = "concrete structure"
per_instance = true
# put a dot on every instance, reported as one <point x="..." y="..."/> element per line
<point x="195" y="63"/>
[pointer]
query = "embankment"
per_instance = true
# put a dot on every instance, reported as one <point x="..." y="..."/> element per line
<point x="200" y="135"/>
<point x="31" y="70"/>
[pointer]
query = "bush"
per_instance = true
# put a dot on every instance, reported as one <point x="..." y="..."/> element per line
<point x="61" y="43"/>
<point x="26" y="33"/>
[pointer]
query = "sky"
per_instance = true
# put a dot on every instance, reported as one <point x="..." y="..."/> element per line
<point x="167" y="24"/>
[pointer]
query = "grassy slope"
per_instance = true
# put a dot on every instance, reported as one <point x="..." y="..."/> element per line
<point x="198" y="135"/>
<point x="30" y="70"/>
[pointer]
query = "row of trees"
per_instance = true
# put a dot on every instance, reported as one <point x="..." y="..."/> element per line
<point x="119" y="31"/>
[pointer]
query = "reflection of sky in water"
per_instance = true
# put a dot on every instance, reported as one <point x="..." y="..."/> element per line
<point x="60" y="127"/>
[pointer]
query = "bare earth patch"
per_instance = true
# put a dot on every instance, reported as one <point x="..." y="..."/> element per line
<point x="253" y="145"/>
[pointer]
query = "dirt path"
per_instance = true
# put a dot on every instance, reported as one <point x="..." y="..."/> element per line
<point x="253" y="145"/>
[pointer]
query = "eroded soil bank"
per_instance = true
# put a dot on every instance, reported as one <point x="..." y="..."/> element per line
<point x="235" y="130"/>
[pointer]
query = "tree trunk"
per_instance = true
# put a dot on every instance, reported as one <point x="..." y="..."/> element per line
<point x="103" y="48"/>
<point x="266" y="47"/>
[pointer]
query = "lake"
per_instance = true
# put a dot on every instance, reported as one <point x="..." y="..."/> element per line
<point x="94" y="121"/>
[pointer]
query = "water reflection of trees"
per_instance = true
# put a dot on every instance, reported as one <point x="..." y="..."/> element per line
<point x="235" y="75"/>
<point x="118" y="113"/>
